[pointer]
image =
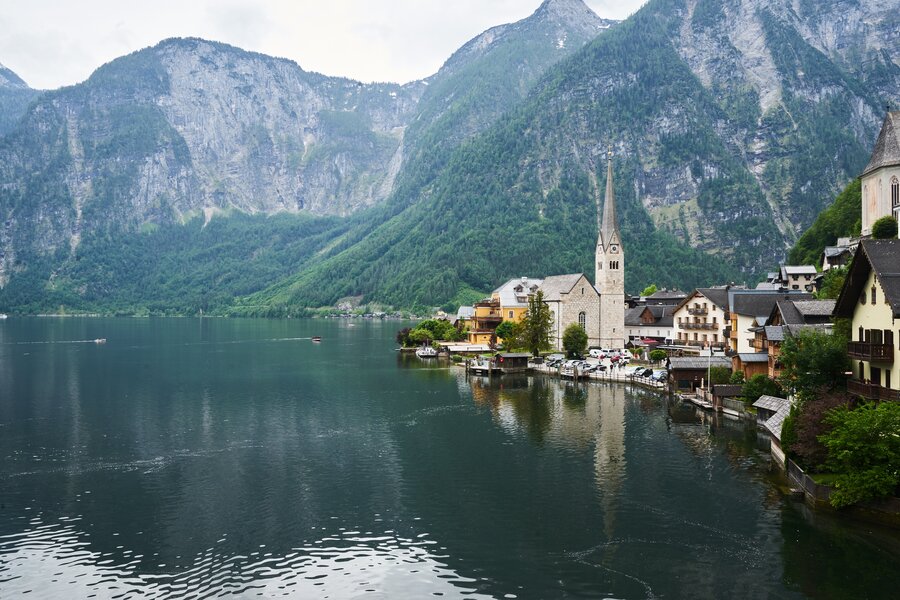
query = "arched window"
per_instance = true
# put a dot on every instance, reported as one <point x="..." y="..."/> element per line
<point x="895" y="192"/>
<point x="582" y="320"/>
<point x="873" y="295"/>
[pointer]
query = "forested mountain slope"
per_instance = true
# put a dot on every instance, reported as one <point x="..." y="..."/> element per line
<point x="732" y="122"/>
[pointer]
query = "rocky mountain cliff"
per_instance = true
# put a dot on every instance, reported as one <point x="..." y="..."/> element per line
<point x="191" y="127"/>
<point x="733" y="122"/>
<point x="15" y="96"/>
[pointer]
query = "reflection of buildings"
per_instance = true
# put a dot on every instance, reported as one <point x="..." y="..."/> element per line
<point x="568" y="415"/>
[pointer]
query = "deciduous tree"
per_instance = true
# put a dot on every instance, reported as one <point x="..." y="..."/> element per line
<point x="575" y="340"/>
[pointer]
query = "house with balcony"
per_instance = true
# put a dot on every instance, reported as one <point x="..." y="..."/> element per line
<point x="750" y="309"/>
<point x="870" y="298"/>
<point x="509" y="302"/>
<point x="788" y="317"/>
<point x="701" y="319"/>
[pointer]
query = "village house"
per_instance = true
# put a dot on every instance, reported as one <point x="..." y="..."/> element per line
<point x="655" y="323"/>
<point x="509" y="302"/>
<point x="881" y="177"/>
<point x="701" y="319"/>
<point x="870" y="298"/>
<point x="749" y="309"/>
<point x="838" y="255"/>
<point x="788" y="317"/>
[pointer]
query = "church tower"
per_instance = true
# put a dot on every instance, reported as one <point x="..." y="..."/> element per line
<point x="610" y="270"/>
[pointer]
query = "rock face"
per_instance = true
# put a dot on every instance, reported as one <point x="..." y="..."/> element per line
<point x="15" y="96"/>
<point x="192" y="127"/>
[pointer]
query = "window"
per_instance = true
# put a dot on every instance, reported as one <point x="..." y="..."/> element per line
<point x="862" y="298"/>
<point x="582" y="320"/>
<point x="599" y="266"/>
<point x="895" y="192"/>
<point x="510" y="314"/>
<point x="873" y="295"/>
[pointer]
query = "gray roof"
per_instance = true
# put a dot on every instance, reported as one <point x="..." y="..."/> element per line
<point x="766" y="285"/>
<point x="716" y="295"/>
<point x="556" y="285"/>
<point x="795" y="329"/>
<point x="774" y="333"/>
<point x="782" y="409"/>
<point x="815" y="308"/>
<point x="633" y="316"/>
<point x="727" y="390"/>
<point x="760" y="304"/>
<point x="753" y="357"/>
<point x="698" y="362"/>
<point x="887" y="148"/>
<point x="662" y="315"/>
<point x="800" y="269"/>
<point x="882" y="256"/>
<point x="511" y="296"/>
<point x="789" y="313"/>
<point x="772" y="403"/>
<point x="465" y="312"/>
<point x="832" y="251"/>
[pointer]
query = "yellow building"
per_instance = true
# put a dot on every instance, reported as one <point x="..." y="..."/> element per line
<point x="870" y="298"/>
<point x="509" y="302"/>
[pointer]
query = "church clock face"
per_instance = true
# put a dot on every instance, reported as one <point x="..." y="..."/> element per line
<point x="613" y="248"/>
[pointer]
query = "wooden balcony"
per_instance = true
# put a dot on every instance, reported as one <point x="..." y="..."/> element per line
<point x="697" y="311"/>
<point x="882" y="353"/>
<point x="704" y="326"/>
<point x="872" y="391"/>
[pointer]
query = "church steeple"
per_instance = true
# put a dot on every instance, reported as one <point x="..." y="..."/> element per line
<point x="610" y="274"/>
<point x="609" y="227"/>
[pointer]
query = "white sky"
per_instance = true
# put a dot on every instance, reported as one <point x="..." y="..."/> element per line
<point x="54" y="43"/>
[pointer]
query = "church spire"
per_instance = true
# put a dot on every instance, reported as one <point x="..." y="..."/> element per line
<point x="609" y="228"/>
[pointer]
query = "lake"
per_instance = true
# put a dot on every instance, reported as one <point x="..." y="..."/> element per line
<point x="199" y="458"/>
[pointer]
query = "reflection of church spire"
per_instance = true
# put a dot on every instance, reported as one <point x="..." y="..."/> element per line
<point x="609" y="226"/>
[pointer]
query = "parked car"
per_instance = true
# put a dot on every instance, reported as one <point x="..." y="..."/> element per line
<point x="595" y="353"/>
<point x="632" y="371"/>
<point x="645" y="372"/>
<point x="660" y="375"/>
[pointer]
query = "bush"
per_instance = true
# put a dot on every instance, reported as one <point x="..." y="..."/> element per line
<point x="658" y="355"/>
<point x="884" y="228"/>
<point x="575" y="340"/>
<point x="760" y="385"/>
<point x="737" y="378"/>
<point x="864" y="449"/>
<point x="719" y="375"/>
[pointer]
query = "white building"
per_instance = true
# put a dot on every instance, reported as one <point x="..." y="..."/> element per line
<point x="881" y="177"/>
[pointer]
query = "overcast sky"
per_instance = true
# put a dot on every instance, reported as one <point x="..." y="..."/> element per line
<point x="51" y="44"/>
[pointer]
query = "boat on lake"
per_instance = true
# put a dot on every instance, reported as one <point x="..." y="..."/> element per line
<point x="426" y="352"/>
<point x="317" y="338"/>
<point x="2" y="316"/>
<point x="100" y="341"/>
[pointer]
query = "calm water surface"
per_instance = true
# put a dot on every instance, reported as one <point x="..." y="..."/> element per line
<point x="192" y="458"/>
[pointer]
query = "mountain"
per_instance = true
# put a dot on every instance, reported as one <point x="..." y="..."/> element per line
<point x="15" y="96"/>
<point x="733" y="124"/>
<point x="195" y="129"/>
<point x="841" y="219"/>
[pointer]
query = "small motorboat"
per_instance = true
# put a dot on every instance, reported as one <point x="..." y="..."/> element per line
<point x="2" y="316"/>
<point x="317" y="338"/>
<point x="426" y="352"/>
<point x="100" y="341"/>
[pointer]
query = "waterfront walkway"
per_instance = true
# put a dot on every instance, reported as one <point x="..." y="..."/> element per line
<point x="610" y="375"/>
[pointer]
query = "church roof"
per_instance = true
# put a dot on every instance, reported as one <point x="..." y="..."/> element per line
<point x="887" y="149"/>
<point x="556" y="285"/>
